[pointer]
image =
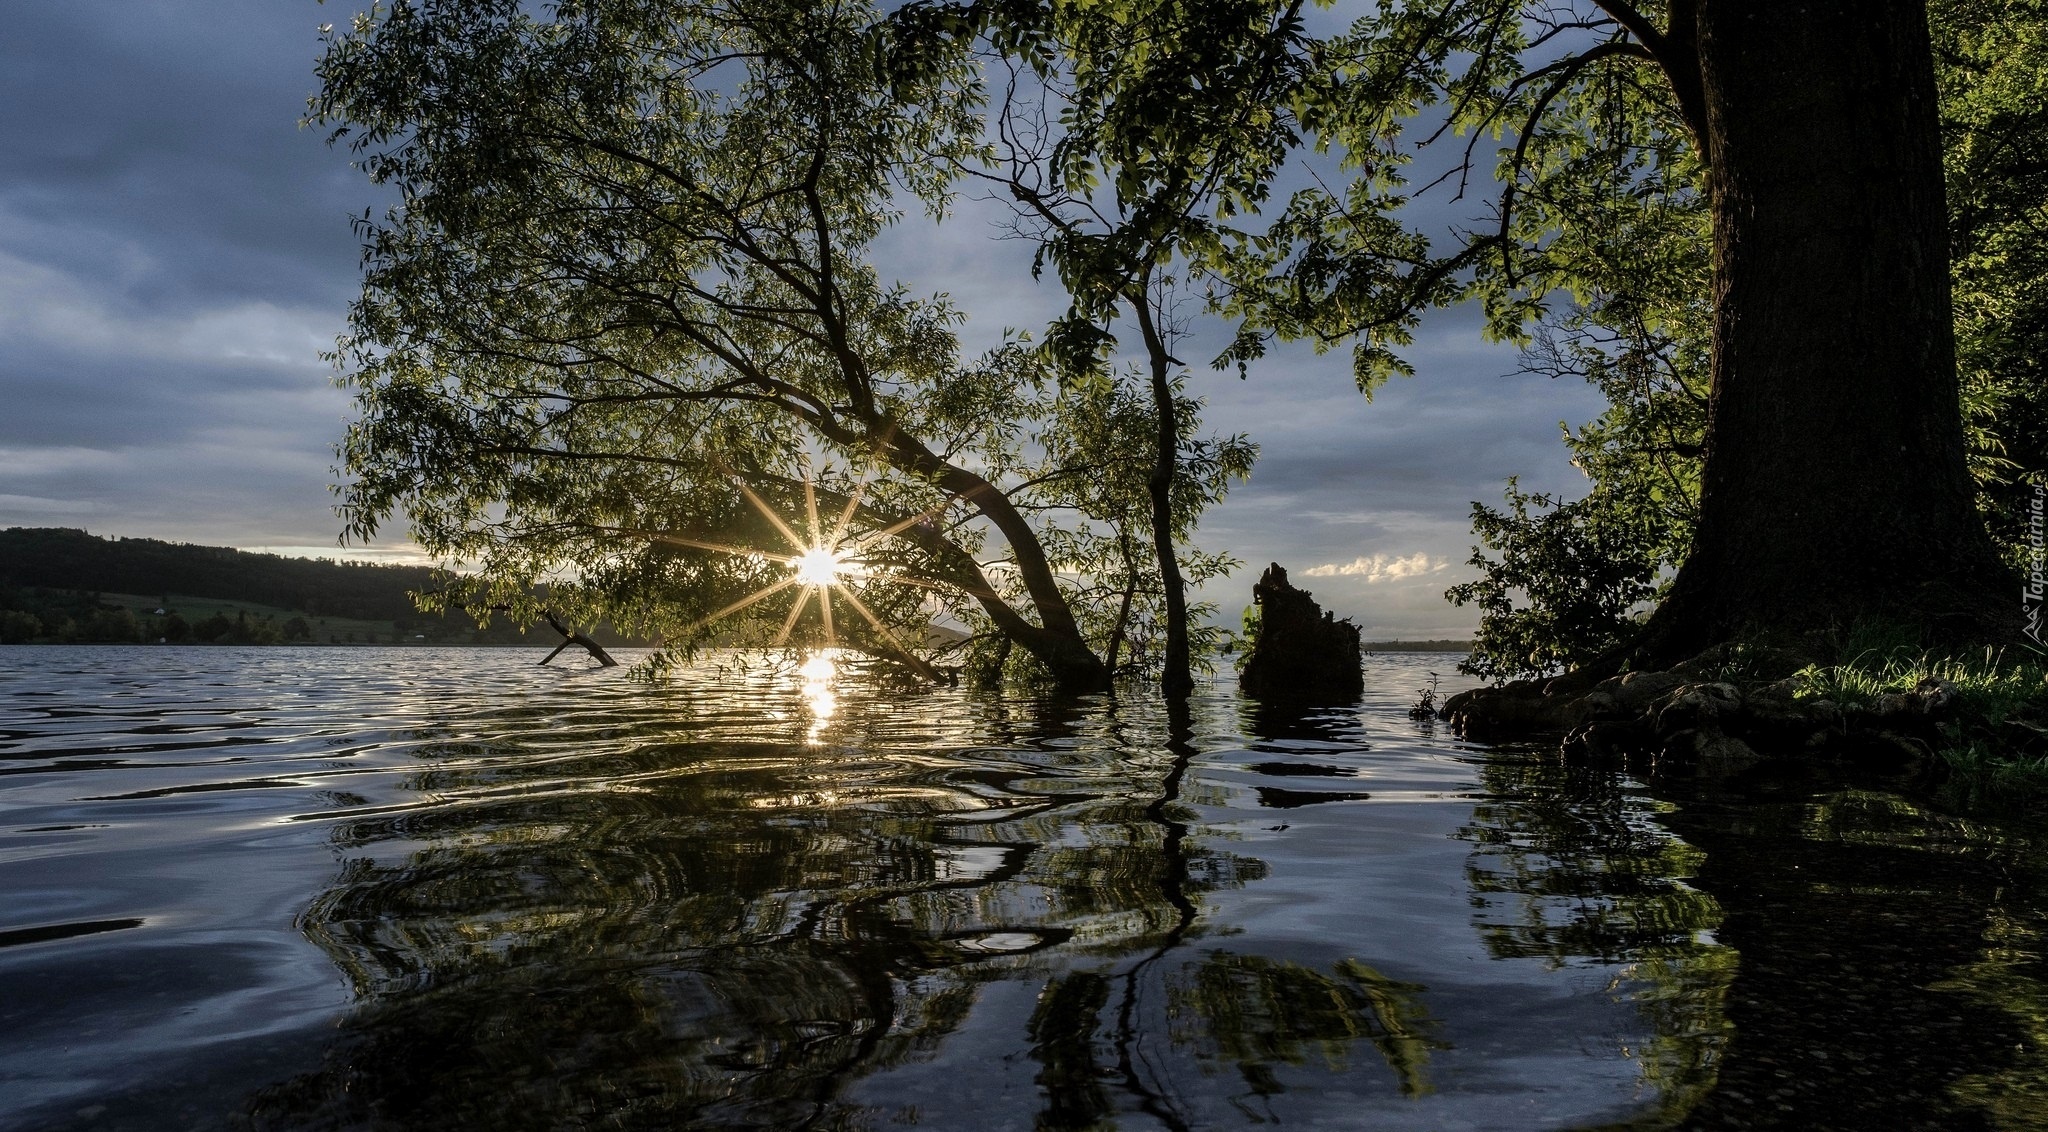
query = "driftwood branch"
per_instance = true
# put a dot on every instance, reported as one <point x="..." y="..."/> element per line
<point x="570" y="637"/>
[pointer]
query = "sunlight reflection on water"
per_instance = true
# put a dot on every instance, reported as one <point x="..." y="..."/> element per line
<point x="402" y="887"/>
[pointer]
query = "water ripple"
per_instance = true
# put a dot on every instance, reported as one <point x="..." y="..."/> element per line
<point x="320" y="887"/>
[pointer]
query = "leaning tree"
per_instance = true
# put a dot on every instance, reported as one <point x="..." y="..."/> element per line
<point x="620" y="337"/>
<point x="1121" y="134"/>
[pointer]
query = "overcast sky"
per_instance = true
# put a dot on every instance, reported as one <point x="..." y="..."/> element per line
<point x="175" y="254"/>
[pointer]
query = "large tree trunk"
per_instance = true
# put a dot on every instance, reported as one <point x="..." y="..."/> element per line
<point x="1834" y="486"/>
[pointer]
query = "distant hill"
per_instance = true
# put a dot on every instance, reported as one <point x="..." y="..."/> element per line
<point x="61" y="558"/>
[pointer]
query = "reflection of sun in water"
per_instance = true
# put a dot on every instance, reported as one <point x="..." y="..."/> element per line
<point x="819" y="695"/>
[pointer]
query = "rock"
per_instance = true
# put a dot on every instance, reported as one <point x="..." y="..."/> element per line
<point x="1721" y="714"/>
<point x="1772" y="716"/>
<point x="1511" y="711"/>
<point x="1916" y="714"/>
<point x="1825" y="719"/>
<point x="1299" y="653"/>
<point x="1786" y="690"/>
<point x="1627" y="696"/>
<point x="1933" y="697"/>
<point x="1709" y="752"/>
<point x="1467" y="699"/>
<point x="1723" y="756"/>
<point x="1635" y="691"/>
<point x="1893" y="753"/>
<point x="1609" y="740"/>
<point x="1600" y="705"/>
<point x="1698" y="705"/>
<point x="1682" y="745"/>
<point x="1568" y="684"/>
<point x="1891" y="706"/>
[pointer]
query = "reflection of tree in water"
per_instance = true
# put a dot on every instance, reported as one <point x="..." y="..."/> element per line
<point x="723" y="932"/>
<point x="1258" y="1013"/>
<point x="707" y="929"/>
<point x="1891" y="971"/>
<point x="1063" y="1031"/>
<point x="1572" y="868"/>
<point x="2012" y="978"/>
<point x="1249" y="1013"/>
<point x="1246" y="1013"/>
<point x="1873" y="963"/>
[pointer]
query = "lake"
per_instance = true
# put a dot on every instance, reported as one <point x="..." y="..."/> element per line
<point x="448" y="888"/>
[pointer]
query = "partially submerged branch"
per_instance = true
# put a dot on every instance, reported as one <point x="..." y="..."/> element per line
<point x="571" y="637"/>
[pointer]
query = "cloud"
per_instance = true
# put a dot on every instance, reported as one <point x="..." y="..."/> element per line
<point x="175" y="252"/>
<point x="1380" y="567"/>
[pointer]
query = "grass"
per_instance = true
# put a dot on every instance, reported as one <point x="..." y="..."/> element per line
<point x="1984" y="775"/>
<point x="1996" y="739"/>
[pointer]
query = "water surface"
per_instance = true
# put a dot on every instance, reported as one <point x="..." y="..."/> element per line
<point x="392" y="888"/>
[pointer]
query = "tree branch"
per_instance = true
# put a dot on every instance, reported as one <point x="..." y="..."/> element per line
<point x="1676" y="52"/>
<point x="1561" y="75"/>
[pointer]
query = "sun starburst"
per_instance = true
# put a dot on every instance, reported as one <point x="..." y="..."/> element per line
<point x="818" y="566"/>
<point x="824" y="563"/>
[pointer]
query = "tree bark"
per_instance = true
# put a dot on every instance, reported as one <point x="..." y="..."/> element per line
<point x="1176" y="678"/>
<point x="1834" y="485"/>
<point x="1056" y="641"/>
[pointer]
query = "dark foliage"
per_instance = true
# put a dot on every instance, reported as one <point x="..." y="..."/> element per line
<point x="1568" y="580"/>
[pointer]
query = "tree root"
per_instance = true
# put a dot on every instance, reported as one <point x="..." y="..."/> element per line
<point x="1717" y="715"/>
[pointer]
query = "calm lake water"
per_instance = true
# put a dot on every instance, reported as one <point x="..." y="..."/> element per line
<point x="398" y="888"/>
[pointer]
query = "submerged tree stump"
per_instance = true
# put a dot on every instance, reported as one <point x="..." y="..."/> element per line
<point x="1299" y="652"/>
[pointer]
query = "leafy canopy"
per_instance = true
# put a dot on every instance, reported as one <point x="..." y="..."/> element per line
<point x="626" y="294"/>
<point x="1566" y="579"/>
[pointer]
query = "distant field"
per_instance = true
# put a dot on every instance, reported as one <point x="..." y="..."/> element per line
<point x="326" y="630"/>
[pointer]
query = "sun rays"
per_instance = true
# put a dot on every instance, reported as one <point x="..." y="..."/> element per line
<point x="824" y="562"/>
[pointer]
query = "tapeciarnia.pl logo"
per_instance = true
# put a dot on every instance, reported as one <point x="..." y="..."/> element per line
<point x="2037" y="559"/>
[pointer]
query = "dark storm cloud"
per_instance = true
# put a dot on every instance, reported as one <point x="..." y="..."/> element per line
<point x="169" y="405"/>
<point x="154" y="148"/>
<point x="175" y="253"/>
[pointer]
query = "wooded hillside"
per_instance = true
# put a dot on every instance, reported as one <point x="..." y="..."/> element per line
<point x="67" y="559"/>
